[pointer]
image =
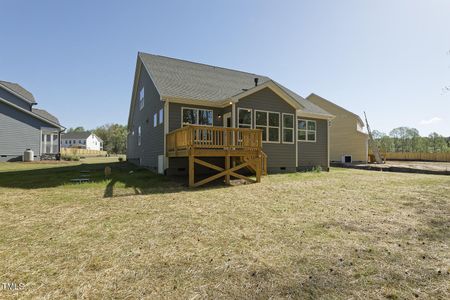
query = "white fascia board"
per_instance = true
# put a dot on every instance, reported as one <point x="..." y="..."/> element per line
<point x="301" y="113"/>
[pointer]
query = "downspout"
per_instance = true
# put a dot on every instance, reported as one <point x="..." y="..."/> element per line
<point x="166" y="131"/>
<point x="59" y="144"/>
<point x="328" y="142"/>
<point x="295" y="139"/>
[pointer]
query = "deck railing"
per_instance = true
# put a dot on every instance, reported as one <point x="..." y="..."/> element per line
<point x="209" y="137"/>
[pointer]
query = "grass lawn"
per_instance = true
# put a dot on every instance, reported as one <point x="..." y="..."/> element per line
<point x="344" y="234"/>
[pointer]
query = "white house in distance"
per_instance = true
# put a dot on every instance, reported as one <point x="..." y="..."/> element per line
<point x="81" y="140"/>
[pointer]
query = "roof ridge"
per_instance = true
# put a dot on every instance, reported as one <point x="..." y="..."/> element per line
<point x="204" y="64"/>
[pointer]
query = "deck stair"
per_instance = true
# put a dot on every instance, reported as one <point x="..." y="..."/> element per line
<point x="251" y="167"/>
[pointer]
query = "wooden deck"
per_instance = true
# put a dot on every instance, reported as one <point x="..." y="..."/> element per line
<point x="240" y="148"/>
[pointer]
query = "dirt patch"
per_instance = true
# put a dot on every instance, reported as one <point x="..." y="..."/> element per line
<point x="423" y="167"/>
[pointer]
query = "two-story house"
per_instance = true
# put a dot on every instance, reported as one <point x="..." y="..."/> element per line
<point x="81" y="140"/>
<point x="24" y="127"/>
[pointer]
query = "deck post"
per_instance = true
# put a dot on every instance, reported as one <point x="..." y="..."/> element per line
<point x="258" y="168"/>
<point x="191" y="170"/>
<point x="227" y="167"/>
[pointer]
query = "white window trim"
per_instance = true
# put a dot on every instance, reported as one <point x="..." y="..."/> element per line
<point x="141" y="99"/>
<point x="155" y="119"/>
<point x="268" y="126"/>
<point x="306" y="130"/>
<point x="197" y="109"/>
<point x="251" y="118"/>
<point x="293" y="128"/>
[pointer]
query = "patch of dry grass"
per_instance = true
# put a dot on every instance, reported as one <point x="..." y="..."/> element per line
<point x="342" y="234"/>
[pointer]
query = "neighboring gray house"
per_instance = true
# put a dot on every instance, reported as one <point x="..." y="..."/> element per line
<point x="81" y="140"/>
<point x="170" y="93"/>
<point x="24" y="127"/>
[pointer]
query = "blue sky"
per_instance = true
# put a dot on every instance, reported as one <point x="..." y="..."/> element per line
<point x="388" y="58"/>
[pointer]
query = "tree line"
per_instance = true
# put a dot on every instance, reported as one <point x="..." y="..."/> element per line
<point x="114" y="137"/>
<point x="406" y="139"/>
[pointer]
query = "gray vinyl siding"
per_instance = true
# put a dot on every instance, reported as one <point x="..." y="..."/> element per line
<point x="313" y="154"/>
<point x="152" y="141"/>
<point x="14" y="99"/>
<point x="280" y="156"/>
<point x="179" y="165"/>
<point x="18" y="132"/>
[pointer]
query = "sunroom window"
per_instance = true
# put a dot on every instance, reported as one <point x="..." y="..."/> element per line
<point x="49" y="142"/>
<point x="288" y="128"/>
<point x="269" y="123"/>
<point x="197" y="116"/>
<point x="307" y="130"/>
<point x="244" y="118"/>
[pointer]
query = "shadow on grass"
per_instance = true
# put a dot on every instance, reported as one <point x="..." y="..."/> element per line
<point x="140" y="180"/>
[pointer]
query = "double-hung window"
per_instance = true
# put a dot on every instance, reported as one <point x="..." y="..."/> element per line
<point x="155" y="119"/>
<point x="139" y="136"/>
<point x="196" y="116"/>
<point x="288" y="128"/>
<point x="244" y="118"/>
<point x="141" y="99"/>
<point x="269" y="123"/>
<point x="161" y="115"/>
<point x="307" y="130"/>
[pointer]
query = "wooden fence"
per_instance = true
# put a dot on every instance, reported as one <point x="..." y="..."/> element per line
<point x="82" y="152"/>
<point x="441" y="156"/>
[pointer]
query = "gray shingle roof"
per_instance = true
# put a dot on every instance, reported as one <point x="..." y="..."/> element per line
<point x="76" y="135"/>
<point x="18" y="89"/>
<point x="46" y="115"/>
<point x="189" y="80"/>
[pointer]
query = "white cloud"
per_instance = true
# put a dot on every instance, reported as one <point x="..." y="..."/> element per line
<point x="430" y="121"/>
